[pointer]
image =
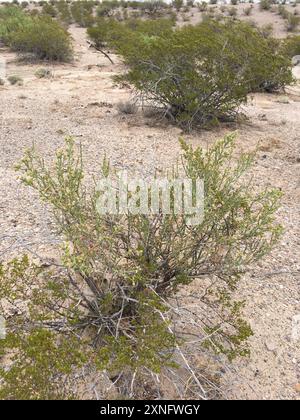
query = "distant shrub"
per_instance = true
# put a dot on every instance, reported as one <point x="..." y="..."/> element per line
<point x="15" y="80"/>
<point x="82" y="13"/>
<point x="232" y="11"/>
<point x="104" y="10"/>
<point x="195" y="79"/>
<point x="40" y="36"/>
<point x="282" y="11"/>
<point x="265" y="4"/>
<point x="109" y="31"/>
<point x="43" y="38"/>
<point x="291" y="46"/>
<point x="43" y="73"/>
<point x="12" y="19"/>
<point x="292" y="22"/>
<point x="266" y="30"/>
<point x="64" y="12"/>
<point x="48" y="9"/>
<point x="2" y="82"/>
<point x="178" y="4"/>
<point x="203" y="6"/>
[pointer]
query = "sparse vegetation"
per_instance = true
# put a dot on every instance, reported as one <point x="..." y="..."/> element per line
<point x="43" y="73"/>
<point x="292" y="22"/>
<point x="38" y="36"/>
<point x="265" y="4"/>
<point x="291" y="46"/>
<point x="15" y="80"/>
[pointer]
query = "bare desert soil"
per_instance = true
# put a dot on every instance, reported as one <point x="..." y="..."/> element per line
<point x="80" y="100"/>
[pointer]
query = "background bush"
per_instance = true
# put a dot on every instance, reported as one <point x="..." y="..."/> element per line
<point x="291" y="46"/>
<point x="40" y="36"/>
<point x="201" y="74"/>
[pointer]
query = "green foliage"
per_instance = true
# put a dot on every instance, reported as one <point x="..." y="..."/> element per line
<point x="15" y="80"/>
<point x="43" y="73"/>
<point x="291" y="46"/>
<point x="43" y="38"/>
<point x="177" y="4"/>
<point x="82" y="13"/>
<point x="292" y="22"/>
<point x="282" y="11"/>
<point x="265" y="5"/>
<point x="112" y="33"/>
<point x="39" y="362"/>
<point x="189" y="73"/>
<point x="108" y="305"/>
<point x="12" y="19"/>
<point x="48" y="9"/>
<point x="64" y="11"/>
<point x="39" y="36"/>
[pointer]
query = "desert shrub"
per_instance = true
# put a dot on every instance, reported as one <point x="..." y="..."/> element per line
<point x="82" y="13"/>
<point x="292" y="22"/>
<point x="15" y="80"/>
<point x="111" y="32"/>
<point x="232" y="11"/>
<point x="50" y="10"/>
<point x="291" y="46"/>
<point x="282" y="11"/>
<point x="127" y="107"/>
<point x="203" y="6"/>
<point x="110" y="302"/>
<point x="2" y="82"/>
<point x="44" y="39"/>
<point x="64" y="11"/>
<point x="234" y="2"/>
<point x="266" y="30"/>
<point x="104" y="10"/>
<point x="153" y="8"/>
<point x="177" y="4"/>
<point x="43" y="73"/>
<point x="265" y="5"/>
<point x="12" y="19"/>
<point x="198" y="82"/>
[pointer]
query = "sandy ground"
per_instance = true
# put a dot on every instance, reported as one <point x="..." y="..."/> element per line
<point x="80" y="100"/>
